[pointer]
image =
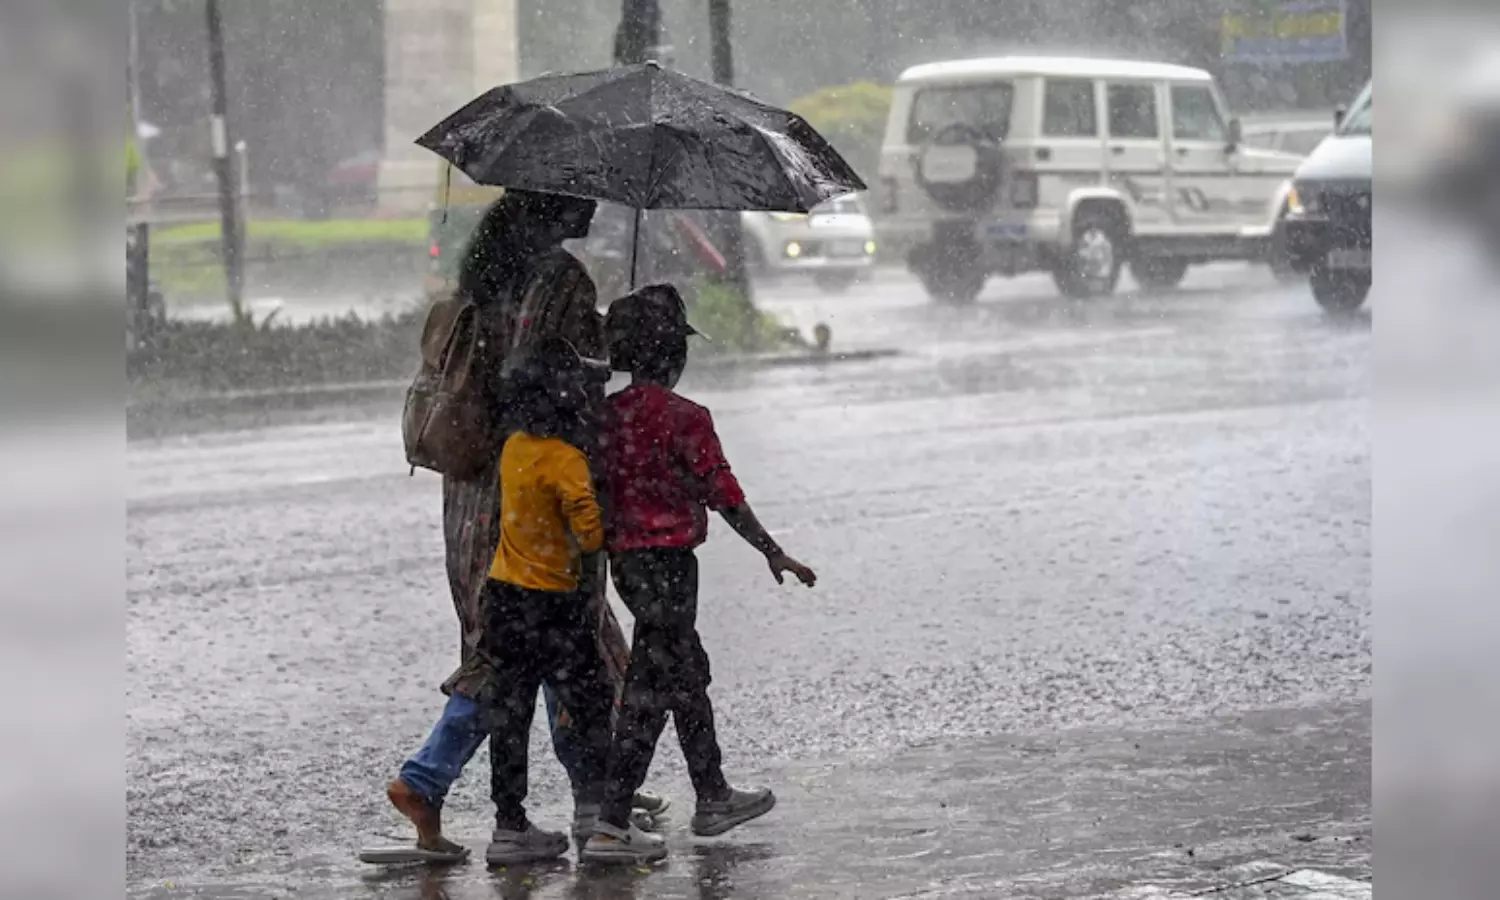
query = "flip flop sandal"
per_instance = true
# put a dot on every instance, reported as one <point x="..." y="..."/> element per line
<point x="411" y="854"/>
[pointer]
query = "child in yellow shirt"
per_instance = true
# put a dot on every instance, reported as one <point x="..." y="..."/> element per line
<point x="537" y="624"/>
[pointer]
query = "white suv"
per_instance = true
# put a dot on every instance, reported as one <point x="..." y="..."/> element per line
<point x="1072" y="166"/>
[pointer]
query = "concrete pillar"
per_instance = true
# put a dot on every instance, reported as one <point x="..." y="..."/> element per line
<point x="439" y="54"/>
<point x="496" y="43"/>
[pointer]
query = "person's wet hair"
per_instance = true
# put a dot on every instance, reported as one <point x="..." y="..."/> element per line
<point x="515" y="228"/>
<point x="545" y="392"/>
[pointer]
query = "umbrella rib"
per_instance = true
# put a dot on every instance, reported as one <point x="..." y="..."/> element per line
<point x="614" y="76"/>
<point x="509" y="137"/>
<point x="652" y="176"/>
<point x="781" y="169"/>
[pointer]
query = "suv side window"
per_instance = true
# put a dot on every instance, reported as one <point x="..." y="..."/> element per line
<point x="1068" y="108"/>
<point x="1132" y="111"/>
<point x="1195" y="116"/>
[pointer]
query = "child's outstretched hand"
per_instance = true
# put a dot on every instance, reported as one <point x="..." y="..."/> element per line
<point x="781" y="564"/>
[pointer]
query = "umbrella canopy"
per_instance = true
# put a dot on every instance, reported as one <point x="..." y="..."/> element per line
<point x="645" y="137"/>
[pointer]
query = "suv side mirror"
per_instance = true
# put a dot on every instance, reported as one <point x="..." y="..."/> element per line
<point x="1338" y="116"/>
<point x="1236" y="134"/>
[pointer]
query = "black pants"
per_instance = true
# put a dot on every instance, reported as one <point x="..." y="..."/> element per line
<point x="668" y="672"/>
<point x="536" y="637"/>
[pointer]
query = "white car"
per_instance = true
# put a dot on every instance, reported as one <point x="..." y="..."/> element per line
<point x="1329" y="222"/>
<point x="1071" y="166"/>
<point x="835" y="243"/>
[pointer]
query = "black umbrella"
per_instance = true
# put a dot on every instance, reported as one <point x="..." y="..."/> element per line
<point x="645" y="137"/>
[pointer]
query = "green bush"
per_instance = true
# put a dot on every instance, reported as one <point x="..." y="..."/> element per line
<point x="852" y="118"/>
<point x="193" y="357"/>
<point x="728" y="318"/>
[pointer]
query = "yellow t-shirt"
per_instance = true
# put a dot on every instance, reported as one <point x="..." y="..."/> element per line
<point x="549" y="515"/>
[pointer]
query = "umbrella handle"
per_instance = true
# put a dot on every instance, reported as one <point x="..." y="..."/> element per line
<point x="447" y="189"/>
<point x="635" y="245"/>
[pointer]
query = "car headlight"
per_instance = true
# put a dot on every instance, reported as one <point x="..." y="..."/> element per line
<point x="1302" y="201"/>
<point x="869" y="248"/>
<point x="793" y="249"/>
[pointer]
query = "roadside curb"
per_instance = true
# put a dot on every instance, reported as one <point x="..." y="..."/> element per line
<point x="1262" y="881"/>
<point x="394" y="389"/>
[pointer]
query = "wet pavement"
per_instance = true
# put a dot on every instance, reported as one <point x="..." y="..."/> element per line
<point x="1094" y="582"/>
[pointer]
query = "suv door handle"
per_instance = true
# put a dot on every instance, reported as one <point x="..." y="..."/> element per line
<point x="1117" y="150"/>
<point x="1181" y="151"/>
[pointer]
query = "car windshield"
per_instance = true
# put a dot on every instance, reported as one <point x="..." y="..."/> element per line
<point x="1260" y="138"/>
<point x="983" y="107"/>
<point x="1360" y="118"/>
<point x="843" y="206"/>
<point x="1302" y="142"/>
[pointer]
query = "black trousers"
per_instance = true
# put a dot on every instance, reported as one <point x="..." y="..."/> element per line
<point x="668" y="673"/>
<point x="536" y="637"/>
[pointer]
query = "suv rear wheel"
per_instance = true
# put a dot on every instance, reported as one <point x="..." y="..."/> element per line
<point x="953" y="287"/>
<point x="1158" y="273"/>
<point x="950" y="272"/>
<point x="1090" y="267"/>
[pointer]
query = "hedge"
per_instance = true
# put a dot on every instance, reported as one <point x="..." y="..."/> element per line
<point x="852" y="117"/>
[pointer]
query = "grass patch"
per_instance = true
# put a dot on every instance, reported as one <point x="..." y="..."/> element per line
<point x="186" y="260"/>
<point x="301" y="233"/>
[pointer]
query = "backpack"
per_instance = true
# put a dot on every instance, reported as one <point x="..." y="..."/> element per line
<point x="448" y="424"/>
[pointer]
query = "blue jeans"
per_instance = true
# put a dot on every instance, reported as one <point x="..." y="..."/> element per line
<point x="457" y="736"/>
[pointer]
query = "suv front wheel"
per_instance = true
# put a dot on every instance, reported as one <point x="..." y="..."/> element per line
<point x="1090" y="266"/>
<point x="1338" y="291"/>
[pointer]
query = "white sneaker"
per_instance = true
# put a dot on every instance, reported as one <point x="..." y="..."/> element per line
<point x="623" y="846"/>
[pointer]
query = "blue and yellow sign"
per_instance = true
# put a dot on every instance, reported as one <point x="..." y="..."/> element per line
<point x="1294" y="32"/>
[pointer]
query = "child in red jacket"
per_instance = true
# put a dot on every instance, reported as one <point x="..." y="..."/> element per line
<point x="665" y="470"/>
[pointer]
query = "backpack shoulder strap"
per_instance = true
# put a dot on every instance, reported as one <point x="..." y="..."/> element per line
<point x="444" y="325"/>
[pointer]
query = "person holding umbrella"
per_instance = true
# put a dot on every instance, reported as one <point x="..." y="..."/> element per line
<point x="666" y="469"/>
<point x="515" y="265"/>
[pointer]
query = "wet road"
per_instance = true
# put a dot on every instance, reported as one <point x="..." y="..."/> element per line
<point x="1043" y="522"/>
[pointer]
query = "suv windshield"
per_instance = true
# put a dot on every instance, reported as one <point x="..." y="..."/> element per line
<point x="983" y="107"/>
<point x="1360" y="118"/>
